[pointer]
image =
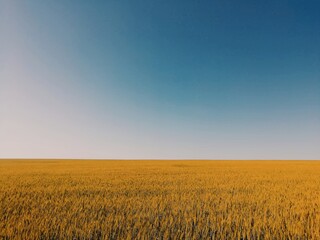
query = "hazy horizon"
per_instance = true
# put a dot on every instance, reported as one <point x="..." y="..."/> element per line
<point x="160" y="79"/>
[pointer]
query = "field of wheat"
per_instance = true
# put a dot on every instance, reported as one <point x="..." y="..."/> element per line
<point x="159" y="199"/>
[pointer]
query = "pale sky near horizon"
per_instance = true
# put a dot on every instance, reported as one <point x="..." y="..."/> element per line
<point x="160" y="79"/>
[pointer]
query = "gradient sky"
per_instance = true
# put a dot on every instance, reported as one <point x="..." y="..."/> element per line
<point x="189" y="79"/>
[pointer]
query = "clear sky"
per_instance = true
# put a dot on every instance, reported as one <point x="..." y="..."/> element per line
<point x="223" y="79"/>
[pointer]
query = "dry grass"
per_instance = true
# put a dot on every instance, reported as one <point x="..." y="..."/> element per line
<point x="159" y="200"/>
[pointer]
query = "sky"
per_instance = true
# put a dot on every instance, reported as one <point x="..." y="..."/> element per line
<point x="162" y="79"/>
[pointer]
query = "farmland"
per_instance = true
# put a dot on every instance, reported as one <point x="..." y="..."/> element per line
<point x="69" y="199"/>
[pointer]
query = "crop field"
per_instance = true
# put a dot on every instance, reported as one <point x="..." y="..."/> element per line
<point x="55" y="199"/>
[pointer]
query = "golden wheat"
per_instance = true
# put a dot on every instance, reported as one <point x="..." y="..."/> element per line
<point x="159" y="199"/>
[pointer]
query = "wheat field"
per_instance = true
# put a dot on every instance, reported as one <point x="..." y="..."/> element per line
<point x="55" y="199"/>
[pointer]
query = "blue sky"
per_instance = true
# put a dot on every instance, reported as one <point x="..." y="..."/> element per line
<point x="160" y="79"/>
